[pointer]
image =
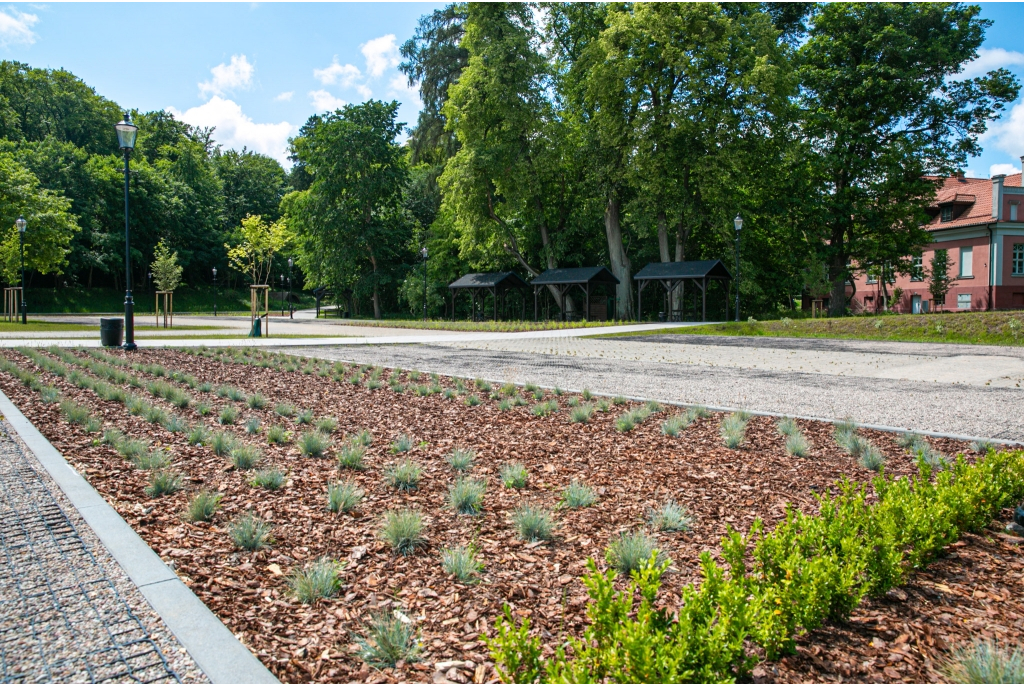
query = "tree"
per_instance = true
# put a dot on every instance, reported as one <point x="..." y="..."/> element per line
<point x="260" y="241"/>
<point x="51" y="226"/>
<point x="939" y="281"/>
<point x="251" y="184"/>
<point x="882" y="111"/>
<point x="165" y="268"/>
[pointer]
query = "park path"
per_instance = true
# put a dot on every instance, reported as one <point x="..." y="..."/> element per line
<point x="68" y="613"/>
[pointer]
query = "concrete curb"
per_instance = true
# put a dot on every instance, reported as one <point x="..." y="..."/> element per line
<point x="213" y="647"/>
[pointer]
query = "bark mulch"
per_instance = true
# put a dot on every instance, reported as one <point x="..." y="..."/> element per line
<point x="975" y="590"/>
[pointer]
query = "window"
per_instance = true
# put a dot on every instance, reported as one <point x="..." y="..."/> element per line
<point x="1013" y="211"/>
<point x="947" y="213"/>
<point x="917" y="270"/>
<point x="966" y="262"/>
<point x="963" y="301"/>
<point x="1018" y="259"/>
<point x="872" y="277"/>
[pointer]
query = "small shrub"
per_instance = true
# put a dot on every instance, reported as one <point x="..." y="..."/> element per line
<point x="558" y="391"/>
<point x="268" y="479"/>
<point x="404" y="475"/>
<point x="983" y="446"/>
<point x="402" y="530"/>
<point x="461" y="459"/>
<point x="304" y="417"/>
<point x="462" y="562"/>
<point x="131" y="448"/>
<point x="627" y="552"/>
<point x="235" y="394"/>
<point x="505" y="405"/>
<point x="389" y="640"/>
<point x="163" y="482"/>
<point x="179" y="398"/>
<point x="244" y="457"/>
<point x="203" y="409"/>
<point x="277" y="435"/>
<point x="319" y="580"/>
<point x="671" y="517"/>
<point x="249" y="532"/>
<point x="871" y="458"/>
<point x="198" y="434"/>
<point x="531" y="387"/>
<point x="74" y="412"/>
<point x="135" y="405"/>
<point x="788" y="427"/>
<point x="466" y="496"/>
<point x="93" y="425"/>
<point x="205" y="387"/>
<point x="252" y="425"/>
<point x="538" y="394"/>
<point x="343" y="497"/>
<point x="544" y="408"/>
<point x="49" y="394"/>
<point x="985" y="661"/>
<point x="150" y="461"/>
<point x="221" y="443"/>
<point x="203" y="505"/>
<point x="472" y="401"/>
<point x="674" y="425"/>
<point x="482" y="385"/>
<point x="314" y="444"/>
<point x="577" y="495"/>
<point x="586" y="394"/>
<point x="449" y="394"/>
<point x="256" y="401"/>
<point x="228" y="415"/>
<point x="112" y="437"/>
<point x="176" y="424"/>
<point x="403" y="443"/>
<point x="733" y="430"/>
<point x="619" y="400"/>
<point x="350" y="456"/>
<point x="363" y="437"/>
<point x="285" y="409"/>
<point x="514" y="475"/>
<point x="604" y="406"/>
<point x="797" y="445"/>
<point x="327" y="424"/>
<point x="581" y="414"/>
<point x="572" y="402"/>
<point x="533" y="523"/>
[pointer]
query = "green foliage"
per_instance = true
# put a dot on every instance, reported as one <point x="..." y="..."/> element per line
<point x="472" y="401"/>
<point x="350" y="455"/>
<point x="466" y="496"/>
<point x="671" y="517"/>
<point x="390" y="639"/>
<point x="513" y="475"/>
<point x="581" y="414"/>
<point x="244" y="457"/>
<point x="544" y="408"/>
<point x="252" y="425"/>
<point x="797" y="445"/>
<point x="314" y="444"/>
<point x="985" y="661"/>
<point x="277" y="435"/>
<point x="256" y="401"/>
<point x="74" y="412"/>
<point x="268" y="479"/>
<point x="402" y="530"/>
<point x="165" y="268"/>
<point x="343" y="496"/>
<point x="319" y="580"/>
<point x="304" y="417"/>
<point x="404" y="475"/>
<point x="203" y="505"/>
<point x="461" y="459"/>
<point x="533" y="522"/>
<point x="199" y="434"/>
<point x="149" y="461"/>
<point x="463" y="563"/>
<point x="403" y="443"/>
<point x="228" y="415"/>
<point x="577" y="495"/>
<point x="628" y="552"/>
<point x="221" y="443"/>
<point x="733" y="430"/>
<point x="49" y="394"/>
<point x="163" y="482"/>
<point x="249" y="532"/>
<point x="285" y="409"/>
<point x="326" y="425"/>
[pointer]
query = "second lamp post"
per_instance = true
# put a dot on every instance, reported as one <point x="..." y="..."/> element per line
<point x="126" y="132"/>
<point x="738" y="224"/>
<point x="21" y="224"/>
<point x="423" y="253"/>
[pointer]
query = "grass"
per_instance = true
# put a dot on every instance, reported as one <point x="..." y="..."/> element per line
<point x="466" y="496"/>
<point x="389" y="641"/>
<point x="472" y="401"/>
<point x="252" y="425"/>
<point x="49" y="394"/>
<point x="256" y="401"/>
<point x="871" y="458"/>
<point x="797" y="445"/>
<point x="268" y="479"/>
<point x="304" y="417"/>
<point x="285" y="409"/>
<point x="671" y="517"/>
<point x="149" y="461"/>
<point x="176" y="424"/>
<point x="319" y="580"/>
<point x="203" y="505"/>
<point x="404" y="475"/>
<point x="983" y="328"/>
<point x="327" y="424"/>
<point x="462" y="562"/>
<point x="402" y="530"/>
<point x="985" y="661"/>
<point x="578" y="495"/>
<point x="403" y="443"/>
<point x="131" y="448"/>
<point x="461" y="459"/>
<point x="628" y="551"/>
<point x="343" y="497"/>
<point x="532" y="522"/>
<point x="228" y="415"/>
<point x="513" y="475"/>
<point x="363" y="437"/>
<point x="350" y="456"/>
<point x="249" y="532"/>
<point x="277" y="435"/>
<point x="222" y="443"/>
<point x="244" y="457"/>
<point x="733" y="430"/>
<point x="674" y="425"/>
<point x="74" y="412"/>
<point x="314" y="444"/>
<point x="163" y="482"/>
<point x="581" y="414"/>
<point x="788" y="427"/>
<point x="544" y="408"/>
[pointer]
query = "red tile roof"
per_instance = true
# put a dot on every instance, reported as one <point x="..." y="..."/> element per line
<point x="962" y="190"/>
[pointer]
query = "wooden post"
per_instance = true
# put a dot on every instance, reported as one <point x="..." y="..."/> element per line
<point x="12" y="300"/>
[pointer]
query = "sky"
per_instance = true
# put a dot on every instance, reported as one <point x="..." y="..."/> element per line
<point x="257" y="71"/>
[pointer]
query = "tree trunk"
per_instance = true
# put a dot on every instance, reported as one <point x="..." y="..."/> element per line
<point x="663" y="237"/>
<point x="682" y="234"/>
<point x="619" y="260"/>
<point x="376" y="294"/>
<point x="568" y="305"/>
<point x="837" y="299"/>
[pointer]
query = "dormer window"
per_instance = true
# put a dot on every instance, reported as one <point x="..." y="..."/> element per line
<point x="946" y="213"/>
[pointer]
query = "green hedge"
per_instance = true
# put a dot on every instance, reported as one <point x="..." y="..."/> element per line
<point x="774" y="585"/>
<point x="186" y="300"/>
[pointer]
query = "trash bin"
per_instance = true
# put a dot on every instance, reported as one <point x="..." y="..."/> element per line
<point x="110" y="332"/>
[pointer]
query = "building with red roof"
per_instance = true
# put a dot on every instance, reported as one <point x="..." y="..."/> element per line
<point x="980" y="222"/>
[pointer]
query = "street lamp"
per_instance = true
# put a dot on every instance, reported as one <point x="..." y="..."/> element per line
<point x="290" y="288"/>
<point x="738" y="223"/>
<point x="215" y="291"/>
<point x="149" y="280"/>
<point x="282" y="296"/>
<point x="423" y="253"/>
<point x="126" y="133"/>
<point x="21" y="224"/>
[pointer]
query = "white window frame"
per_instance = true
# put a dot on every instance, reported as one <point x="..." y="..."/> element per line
<point x="1018" y="260"/>
<point x="961" y="298"/>
<point x="917" y="270"/>
<point x="966" y="260"/>
<point x="1013" y="211"/>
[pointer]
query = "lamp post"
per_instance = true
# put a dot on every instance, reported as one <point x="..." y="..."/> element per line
<point x="290" y="311"/>
<point x="215" y="291"/>
<point x="282" y="298"/>
<point x="149" y="281"/>
<point x="126" y="133"/>
<point x="423" y="253"/>
<point x="22" y="224"/>
<point x="738" y="224"/>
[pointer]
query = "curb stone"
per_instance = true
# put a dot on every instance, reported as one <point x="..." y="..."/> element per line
<point x="212" y="646"/>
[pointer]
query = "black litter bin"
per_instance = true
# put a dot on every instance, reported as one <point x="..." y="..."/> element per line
<point x="110" y="332"/>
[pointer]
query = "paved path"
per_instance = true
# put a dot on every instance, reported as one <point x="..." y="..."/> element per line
<point x="67" y="611"/>
<point x="889" y="384"/>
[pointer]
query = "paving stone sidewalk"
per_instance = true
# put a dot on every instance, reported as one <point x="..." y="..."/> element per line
<point x="978" y="411"/>
<point x="68" y="613"/>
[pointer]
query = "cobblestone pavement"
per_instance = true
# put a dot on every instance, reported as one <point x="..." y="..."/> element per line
<point x="68" y="613"/>
<point x="960" y="409"/>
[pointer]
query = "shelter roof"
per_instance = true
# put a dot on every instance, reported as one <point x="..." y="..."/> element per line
<point x="587" y="274"/>
<point x="673" y="271"/>
<point x="496" y="279"/>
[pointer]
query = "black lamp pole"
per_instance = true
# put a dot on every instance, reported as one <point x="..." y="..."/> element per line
<point x="282" y="299"/>
<point x="215" y="291"/>
<point x="290" y="311"/>
<point x="126" y="132"/>
<point x="21" y="224"/>
<point x="424" y="253"/>
<point x="738" y="224"/>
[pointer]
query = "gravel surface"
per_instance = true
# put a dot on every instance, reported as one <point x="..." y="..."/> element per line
<point x="990" y="412"/>
<point x="68" y="613"/>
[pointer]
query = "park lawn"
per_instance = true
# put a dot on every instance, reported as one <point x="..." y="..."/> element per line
<point x="481" y="326"/>
<point x="976" y="328"/>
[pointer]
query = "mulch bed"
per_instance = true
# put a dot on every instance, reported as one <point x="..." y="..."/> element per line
<point x="975" y="590"/>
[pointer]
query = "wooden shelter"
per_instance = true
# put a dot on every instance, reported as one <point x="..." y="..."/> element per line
<point x="673" y="274"/>
<point x="563" y="280"/>
<point x="497" y="283"/>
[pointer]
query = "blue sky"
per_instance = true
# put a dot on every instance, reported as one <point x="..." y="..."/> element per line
<point x="256" y="71"/>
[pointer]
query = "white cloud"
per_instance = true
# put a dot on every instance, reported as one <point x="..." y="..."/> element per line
<point x="1007" y="134"/>
<point x="16" y="28"/>
<point x="989" y="59"/>
<point x="400" y="88"/>
<point x="228" y="77"/>
<point x="235" y="130"/>
<point x="341" y="74"/>
<point x="324" y="101"/>
<point x="285" y="96"/>
<point x="1007" y="169"/>
<point x="381" y="54"/>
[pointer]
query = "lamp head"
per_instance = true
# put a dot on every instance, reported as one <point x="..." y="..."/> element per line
<point x="21" y="224"/>
<point x="424" y="252"/>
<point x="290" y="262"/>
<point x="738" y="223"/>
<point x="126" y="132"/>
<point x="215" y="272"/>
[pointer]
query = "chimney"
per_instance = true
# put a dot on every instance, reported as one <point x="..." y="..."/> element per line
<point x="997" y="196"/>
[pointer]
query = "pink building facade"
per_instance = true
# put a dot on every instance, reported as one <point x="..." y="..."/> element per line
<point x="980" y="222"/>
